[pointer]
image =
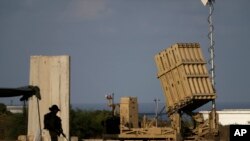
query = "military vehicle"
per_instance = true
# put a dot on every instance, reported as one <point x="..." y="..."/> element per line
<point x="186" y="85"/>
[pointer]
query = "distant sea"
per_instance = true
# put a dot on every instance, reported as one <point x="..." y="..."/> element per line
<point x="151" y="107"/>
<point x="144" y="107"/>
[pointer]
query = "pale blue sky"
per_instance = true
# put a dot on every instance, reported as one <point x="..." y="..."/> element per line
<point x="112" y="43"/>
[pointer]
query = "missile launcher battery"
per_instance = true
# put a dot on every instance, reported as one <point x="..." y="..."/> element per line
<point x="184" y="77"/>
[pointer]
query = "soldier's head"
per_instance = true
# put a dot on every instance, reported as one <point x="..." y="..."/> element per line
<point x="54" y="108"/>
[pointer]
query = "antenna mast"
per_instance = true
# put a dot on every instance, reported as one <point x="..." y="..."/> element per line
<point x="213" y="115"/>
<point x="211" y="39"/>
<point x="211" y="48"/>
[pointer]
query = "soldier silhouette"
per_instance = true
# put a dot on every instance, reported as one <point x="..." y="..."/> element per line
<point x="53" y="123"/>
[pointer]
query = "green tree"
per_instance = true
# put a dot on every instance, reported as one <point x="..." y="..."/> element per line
<point x="83" y="123"/>
<point x="87" y="124"/>
<point x="15" y="126"/>
<point x="11" y="125"/>
<point x="3" y="108"/>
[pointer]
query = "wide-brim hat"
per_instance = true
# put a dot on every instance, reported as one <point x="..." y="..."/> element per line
<point x="54" y="108"/>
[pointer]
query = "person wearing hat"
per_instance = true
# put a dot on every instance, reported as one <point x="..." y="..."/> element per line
<point x="53" y="123"/>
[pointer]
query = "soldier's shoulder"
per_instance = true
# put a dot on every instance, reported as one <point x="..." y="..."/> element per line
<point x="47" y="115"/>
<point x="58" y="117"/>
